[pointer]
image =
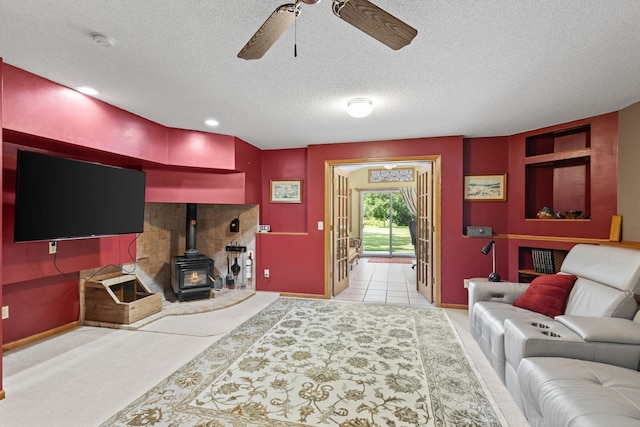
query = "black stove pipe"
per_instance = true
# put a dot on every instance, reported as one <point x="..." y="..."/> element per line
<point x="190" y="242"/>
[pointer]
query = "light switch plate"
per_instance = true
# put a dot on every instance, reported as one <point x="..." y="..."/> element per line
<point x="5" y="312"/>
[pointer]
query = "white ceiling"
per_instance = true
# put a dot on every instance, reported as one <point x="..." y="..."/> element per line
<point x="476" y="68"/>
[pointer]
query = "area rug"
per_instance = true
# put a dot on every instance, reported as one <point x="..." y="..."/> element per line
<point x="323" y="363"/>
<point x="391" y="260"/>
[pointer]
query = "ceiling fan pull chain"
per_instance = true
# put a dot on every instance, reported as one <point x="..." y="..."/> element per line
<point x="295" y="36"/>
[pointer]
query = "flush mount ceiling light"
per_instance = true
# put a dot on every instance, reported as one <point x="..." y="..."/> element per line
<point x="211" y="122"/>
<point x="87" y="90"/>
<point x="359" y="107"/>
<point x="102" y="40"/>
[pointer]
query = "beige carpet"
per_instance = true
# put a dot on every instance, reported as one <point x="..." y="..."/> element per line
<point x="308" y="362"/>
<point x="220" y="299"/>
<point x="83" y="377"/>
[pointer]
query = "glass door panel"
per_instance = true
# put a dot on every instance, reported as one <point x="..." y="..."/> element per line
<point x="385" y="224"/>
<point x="375" y="223"/>
<point x="399" y="223"/>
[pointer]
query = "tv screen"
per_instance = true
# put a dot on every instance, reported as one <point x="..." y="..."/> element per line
<point x="58" y="198"/>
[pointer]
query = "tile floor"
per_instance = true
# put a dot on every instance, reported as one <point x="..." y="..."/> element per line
<point x="383" y="283"/>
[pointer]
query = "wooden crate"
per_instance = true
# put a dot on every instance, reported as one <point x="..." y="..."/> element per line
<point x="121" y="299"/>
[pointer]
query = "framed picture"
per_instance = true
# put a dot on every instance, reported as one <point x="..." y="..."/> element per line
<point x="485" y="188"/>
<point x="286" y="191"/>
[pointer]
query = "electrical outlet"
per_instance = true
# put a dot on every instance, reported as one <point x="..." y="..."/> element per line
<point x="266" y="272"/>
<point x="53" y="248"/>
<point x="5" y="312"/>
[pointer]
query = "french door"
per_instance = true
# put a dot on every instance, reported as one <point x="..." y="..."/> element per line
<point x="425" y="233"/>
<point x="340" y="231"/>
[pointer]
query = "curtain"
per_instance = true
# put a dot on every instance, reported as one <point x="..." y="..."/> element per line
<point x="409" y="195"/>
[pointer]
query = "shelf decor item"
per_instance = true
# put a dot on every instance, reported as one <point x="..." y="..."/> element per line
<point x="475" y="231"/>
<point x="493" y="277"/>
<point x="573" y="214"/>
<point x="545" y="213"/>
<point x="286" y="191"/>
<point x="615" y="234"/>
<point x="485" y="188"/>
<point x="543" y="261"/>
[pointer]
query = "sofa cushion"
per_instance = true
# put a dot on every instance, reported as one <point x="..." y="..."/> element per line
<point x="568" y="392"/>
<point x="616" y="267"/>
<point x="589" y="298"/>
<point x="608" y="329"/>
<point x="488" y="329"/>
<point x="547" y="294"/>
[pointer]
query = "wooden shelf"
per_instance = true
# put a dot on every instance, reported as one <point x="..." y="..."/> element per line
<point x="558" y="172"/>
<point x="531" y="272"/>
<point x="583" y="153"/>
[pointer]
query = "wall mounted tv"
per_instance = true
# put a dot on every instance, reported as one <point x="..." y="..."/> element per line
<point x="58" y="198"/>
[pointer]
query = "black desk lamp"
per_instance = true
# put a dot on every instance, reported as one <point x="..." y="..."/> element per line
<point x="493" y="277"/>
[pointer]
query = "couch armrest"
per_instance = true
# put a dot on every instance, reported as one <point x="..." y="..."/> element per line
<point x="506" y="292"/>
<point x="603" y="329"/>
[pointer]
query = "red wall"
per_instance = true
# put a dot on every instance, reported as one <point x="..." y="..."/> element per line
<point x="248" y="160"/>
<point x="296" y="261"/>
<point x="183" y="186"/>
<point x="604" y="182"/>
<point x="486" y="156"/>
<point x="200" y="149"/>
<point x="39" y="296"/>
<point x="284" y="164"/>
<point x="604" y="193"/>
<point x="36" y="106"/>
<point x="182" y="166"/>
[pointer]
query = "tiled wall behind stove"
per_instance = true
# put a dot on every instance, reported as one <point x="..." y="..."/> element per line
<point x="164" y="238"/>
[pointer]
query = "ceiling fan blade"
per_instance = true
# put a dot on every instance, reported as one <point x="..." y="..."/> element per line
<point x="269" y="32"/>
<point x="374" y="21"/>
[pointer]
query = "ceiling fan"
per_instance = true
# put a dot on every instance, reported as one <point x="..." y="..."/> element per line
<point x="362" y="14"/>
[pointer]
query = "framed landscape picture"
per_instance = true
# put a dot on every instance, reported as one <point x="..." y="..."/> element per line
<point x="485" y="188"/>
<point x="286" y="191"/>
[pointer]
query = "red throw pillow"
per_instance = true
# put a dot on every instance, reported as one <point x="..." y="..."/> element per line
<point x="547" y="294"/>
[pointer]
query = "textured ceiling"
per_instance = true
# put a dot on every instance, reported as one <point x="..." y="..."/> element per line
<point x="476" y="68"/>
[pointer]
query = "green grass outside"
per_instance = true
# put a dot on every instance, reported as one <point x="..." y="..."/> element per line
<point x="377" y="239"/>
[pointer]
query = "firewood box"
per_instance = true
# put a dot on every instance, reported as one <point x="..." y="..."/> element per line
<point x="120" y="299"/>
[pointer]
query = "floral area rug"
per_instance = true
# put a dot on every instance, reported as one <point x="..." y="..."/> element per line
<point x="323" y="363"/>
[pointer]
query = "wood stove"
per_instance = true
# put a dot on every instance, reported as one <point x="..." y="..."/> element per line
<point x="192" y="274"/>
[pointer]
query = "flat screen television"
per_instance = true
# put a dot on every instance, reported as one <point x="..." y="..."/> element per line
<point x="59" y="198"/>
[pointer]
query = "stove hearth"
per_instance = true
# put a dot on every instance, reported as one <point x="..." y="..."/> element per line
<point x="192" y="274"/>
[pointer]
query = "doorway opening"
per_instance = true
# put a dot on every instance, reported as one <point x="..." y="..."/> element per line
<point x="345" y="214"/>
<point x="384" y="224"/>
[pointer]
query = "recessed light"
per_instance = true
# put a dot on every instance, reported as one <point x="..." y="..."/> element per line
<point x="359" y="107"/>
<point x="211" y="122"/>
<point x="87" y="90"/>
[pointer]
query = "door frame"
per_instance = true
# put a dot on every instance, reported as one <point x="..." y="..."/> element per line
<point x="436" y="161"/>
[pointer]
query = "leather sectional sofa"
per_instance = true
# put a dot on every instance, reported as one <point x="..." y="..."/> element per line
<point x="567" y="346"/>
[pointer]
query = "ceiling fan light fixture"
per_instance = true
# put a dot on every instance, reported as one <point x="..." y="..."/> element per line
<point x="359" y="107"/>
<point x="211" y="122"/>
